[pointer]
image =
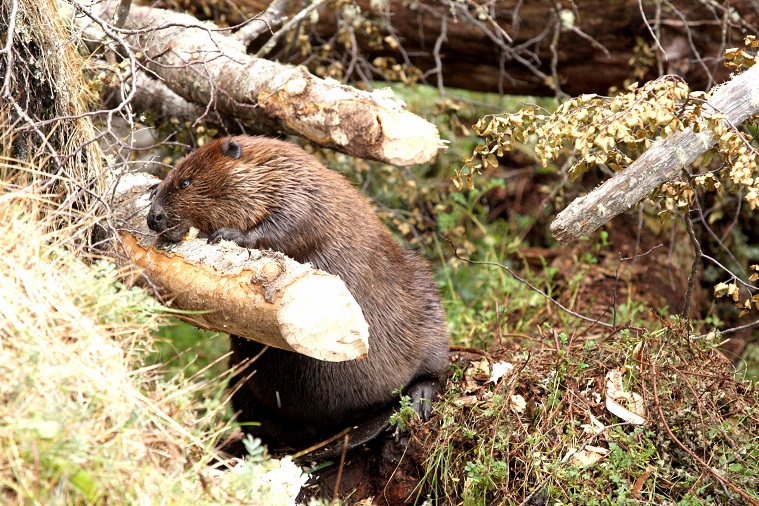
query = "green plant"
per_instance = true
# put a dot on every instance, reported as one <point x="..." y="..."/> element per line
<point x="405" y="415"/>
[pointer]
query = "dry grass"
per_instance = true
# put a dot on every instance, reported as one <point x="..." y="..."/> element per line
<point x="543" y="433"/>
<point x="50" y="106"/>
<point x="82" y="421"/>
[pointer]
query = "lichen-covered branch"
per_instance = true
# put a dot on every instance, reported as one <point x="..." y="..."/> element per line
<point x="736" y="100"/>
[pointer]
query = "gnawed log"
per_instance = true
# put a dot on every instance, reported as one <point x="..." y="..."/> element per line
<point x="664" y="160"/>
<point x="205" y="67"/>
<point x="259" y="295"/>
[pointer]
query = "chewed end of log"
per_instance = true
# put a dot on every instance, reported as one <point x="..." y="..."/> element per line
<point x="408" y="139"/>
<point x="335" y="331"/>
<point x="350" y="345"/>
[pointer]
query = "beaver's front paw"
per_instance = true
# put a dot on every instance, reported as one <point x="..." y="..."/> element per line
<point x="229" y="234"/>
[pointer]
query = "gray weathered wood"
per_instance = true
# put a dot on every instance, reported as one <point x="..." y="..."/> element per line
<point x="737" y="99"/>
<point x="205" y="67"/>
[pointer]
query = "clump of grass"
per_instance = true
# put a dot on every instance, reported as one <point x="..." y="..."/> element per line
<point x="543" y="434"/>
<point x="83" y="419"/>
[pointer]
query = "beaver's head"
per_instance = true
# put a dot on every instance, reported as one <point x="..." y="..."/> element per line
<point x="234" y="182"/>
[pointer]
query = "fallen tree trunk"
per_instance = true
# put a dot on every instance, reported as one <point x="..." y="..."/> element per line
<point x="663" y="161"/>
<point x="513" y="46"/>
<point x="262" y="296"/>
<point x="205" y="67"/>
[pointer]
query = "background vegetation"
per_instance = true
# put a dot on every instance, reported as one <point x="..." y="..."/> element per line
<point x="107" y="399"/>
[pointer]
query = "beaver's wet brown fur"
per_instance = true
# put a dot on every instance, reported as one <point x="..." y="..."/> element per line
<point x="266" y="193"/>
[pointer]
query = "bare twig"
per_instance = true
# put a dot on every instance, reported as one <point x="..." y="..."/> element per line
<point x="691" y="43"/>
<point x="748" y="286"/>
<point x="694" y="266"/>
<point x="287" y="26"/>
<point x="8" y="49"/>
<point x="720" y="241"/>
<point x="339" y="478"/>
<point x="616" y="279"/>
<point x="736" y="329"/>
<point x="704" y="465"/>
<point x="438" y="58"/>
<point x="267" y="20"/>
<point x="529" y="285"/>
<point x="654" y="33"/>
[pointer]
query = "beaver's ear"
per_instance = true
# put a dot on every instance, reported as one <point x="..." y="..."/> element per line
<point x="231" y="149"/>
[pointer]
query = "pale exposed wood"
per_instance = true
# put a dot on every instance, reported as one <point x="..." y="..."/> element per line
<point x="736" y="99"/>
<point x="206" y="67"/>
<point x="263" y="296"/>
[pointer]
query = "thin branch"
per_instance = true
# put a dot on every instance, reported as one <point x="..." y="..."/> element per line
<point x="694" y="265"/>
<point x="554" y="47"/>
<point x="271" y="17"/>
<point x="734" y="329"/>
<point x="295" y="20"/>
<point x="737" y="278"/>
<point x="692" y="44"/>
<point x="616" y="279"/>
<point x="654" y="33"/>
<point x="6" y="90"/>
<point x="436" y="54"/>
<point x="705" y="224"/>
<point x="528" y="284"/>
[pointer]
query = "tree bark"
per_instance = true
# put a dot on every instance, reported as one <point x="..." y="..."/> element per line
<point x="533" y="48"/>
<point x="663" y="161"/>
<point x="262" y="296"/>
<point x="206" y="67"/>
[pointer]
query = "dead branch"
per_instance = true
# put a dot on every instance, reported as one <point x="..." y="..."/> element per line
<point x="298" y="18"/>
<point x="204" y="66"/>
<point x="705" y="466"/>
<point x="154" y="95"/>
<point x="262" y="296"/>
<point x="271" y="18"/>
<point x="736" y="100"/>
<point x="531" y="48"/>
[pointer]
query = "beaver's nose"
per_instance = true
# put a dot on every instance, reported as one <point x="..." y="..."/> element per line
<point x="156" y="218"/>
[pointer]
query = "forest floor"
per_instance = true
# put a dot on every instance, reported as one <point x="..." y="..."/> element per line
<point x="612" y="398"/>
<point x="572" y="411"/>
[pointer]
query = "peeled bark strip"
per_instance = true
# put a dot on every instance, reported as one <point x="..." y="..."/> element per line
<point x="663" y="161"/>
<point x="208" y="68"/>
<point x="262" y="296"/>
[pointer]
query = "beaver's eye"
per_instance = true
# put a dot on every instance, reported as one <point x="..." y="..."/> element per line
<point x="184" y="183"/>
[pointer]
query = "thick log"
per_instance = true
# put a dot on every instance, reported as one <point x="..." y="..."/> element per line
<point x="258" y="295"/>
<point x="527" y="48"/>
<point x="206" y="67"/>
<point x="663" y="161"/>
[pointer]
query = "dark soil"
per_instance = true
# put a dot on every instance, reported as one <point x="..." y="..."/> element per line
<point x="388" y="470"/>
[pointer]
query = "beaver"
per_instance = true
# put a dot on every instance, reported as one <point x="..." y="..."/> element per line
<point x="269" y="194"/>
